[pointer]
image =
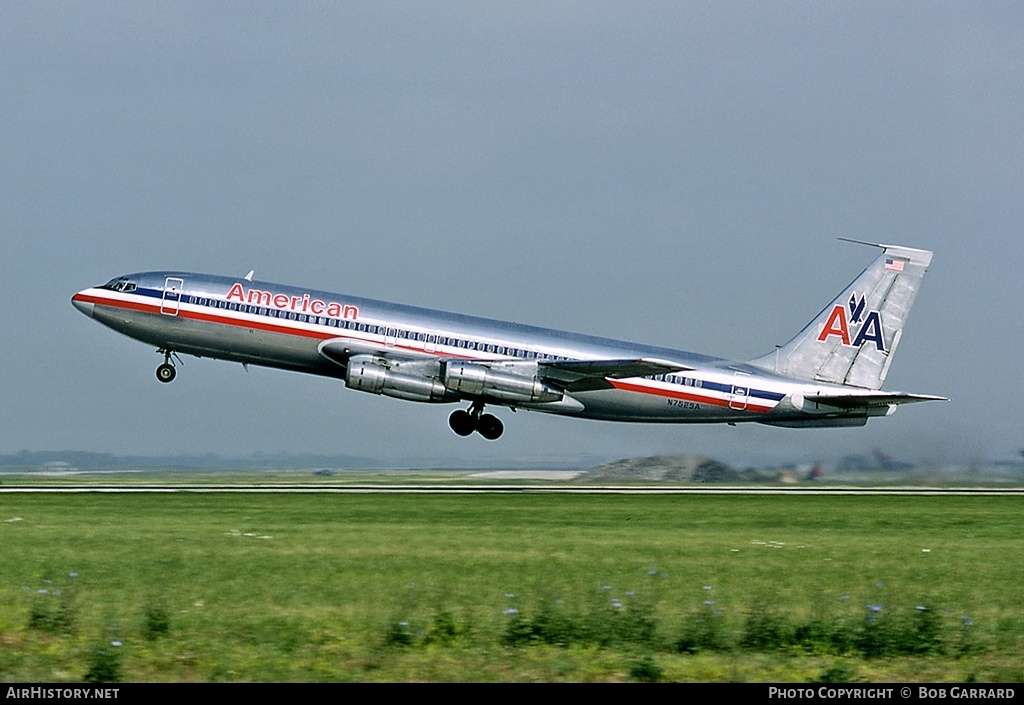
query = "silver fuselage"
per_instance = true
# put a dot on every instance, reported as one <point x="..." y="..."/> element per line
<point x="317" y="332"/>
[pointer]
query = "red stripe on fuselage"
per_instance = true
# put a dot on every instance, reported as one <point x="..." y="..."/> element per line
<point x="688" y="396"/>
<point x="115" y="303"/>
<point x="323" y="335"/>
<point x="239" y="323"/>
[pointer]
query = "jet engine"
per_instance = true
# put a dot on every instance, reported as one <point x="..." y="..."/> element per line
<point x="472" y="379"/>
<point x="367" y="373"/>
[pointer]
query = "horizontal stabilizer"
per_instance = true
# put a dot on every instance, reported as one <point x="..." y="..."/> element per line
<point x="870" y="399"/>
<point x="586" y="375"/>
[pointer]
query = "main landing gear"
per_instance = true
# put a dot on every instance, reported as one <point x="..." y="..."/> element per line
<point x="166" y="372"/>
<point x="465" y="422"/>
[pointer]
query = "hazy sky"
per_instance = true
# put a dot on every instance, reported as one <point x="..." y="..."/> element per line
<point x="673" y="173"/>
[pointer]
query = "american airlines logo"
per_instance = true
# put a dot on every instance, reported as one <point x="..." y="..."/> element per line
<point x="304" y="303"/>
<point x="851" y="318"/>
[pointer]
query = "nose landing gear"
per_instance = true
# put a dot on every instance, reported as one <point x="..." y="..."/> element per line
<point x="465" y="422"/>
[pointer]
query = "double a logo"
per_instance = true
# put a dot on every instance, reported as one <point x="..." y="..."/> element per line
<point x="852" y="317"/>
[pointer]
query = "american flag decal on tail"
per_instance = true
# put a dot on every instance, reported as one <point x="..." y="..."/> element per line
<point x="895" y="265"/>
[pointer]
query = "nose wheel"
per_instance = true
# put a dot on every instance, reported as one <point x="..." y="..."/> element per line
<point x="166" y="372"/>
<point x="465" y="422"/>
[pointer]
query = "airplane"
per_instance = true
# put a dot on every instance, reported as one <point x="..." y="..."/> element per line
<point x="829" y="375"/>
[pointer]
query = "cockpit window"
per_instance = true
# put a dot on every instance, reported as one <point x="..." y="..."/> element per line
<point x="120" y="284"/>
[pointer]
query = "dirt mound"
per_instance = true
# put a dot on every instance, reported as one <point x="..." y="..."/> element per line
<point x="665" y="468"/>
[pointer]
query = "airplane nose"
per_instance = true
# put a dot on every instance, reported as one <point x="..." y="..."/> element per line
<point x="79" y="302"/>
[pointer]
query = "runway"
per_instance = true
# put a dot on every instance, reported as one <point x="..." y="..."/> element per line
<point x="451" y="488"/>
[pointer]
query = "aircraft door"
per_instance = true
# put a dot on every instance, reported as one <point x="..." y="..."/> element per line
<point x="740" y="394"/>
<point x="171" y="301"/>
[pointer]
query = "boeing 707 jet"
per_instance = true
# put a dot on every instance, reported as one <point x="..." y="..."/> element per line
<point x="830" y="374"/>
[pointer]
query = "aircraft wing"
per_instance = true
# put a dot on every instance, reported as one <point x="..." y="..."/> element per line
<point x="869" y="399"/>
<point x="587" y="375"/>
<point x="339" y="350"/>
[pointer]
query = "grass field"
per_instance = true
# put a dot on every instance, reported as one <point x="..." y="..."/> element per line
<point x="490" y="587"/>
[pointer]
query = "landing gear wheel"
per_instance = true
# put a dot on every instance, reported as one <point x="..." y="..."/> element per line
<point x="490" y="427"/>
<point x="165" y="372"/>
<point x="462" y="422"/>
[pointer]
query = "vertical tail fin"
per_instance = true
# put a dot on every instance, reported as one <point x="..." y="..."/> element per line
<point x="853" y="339"/>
